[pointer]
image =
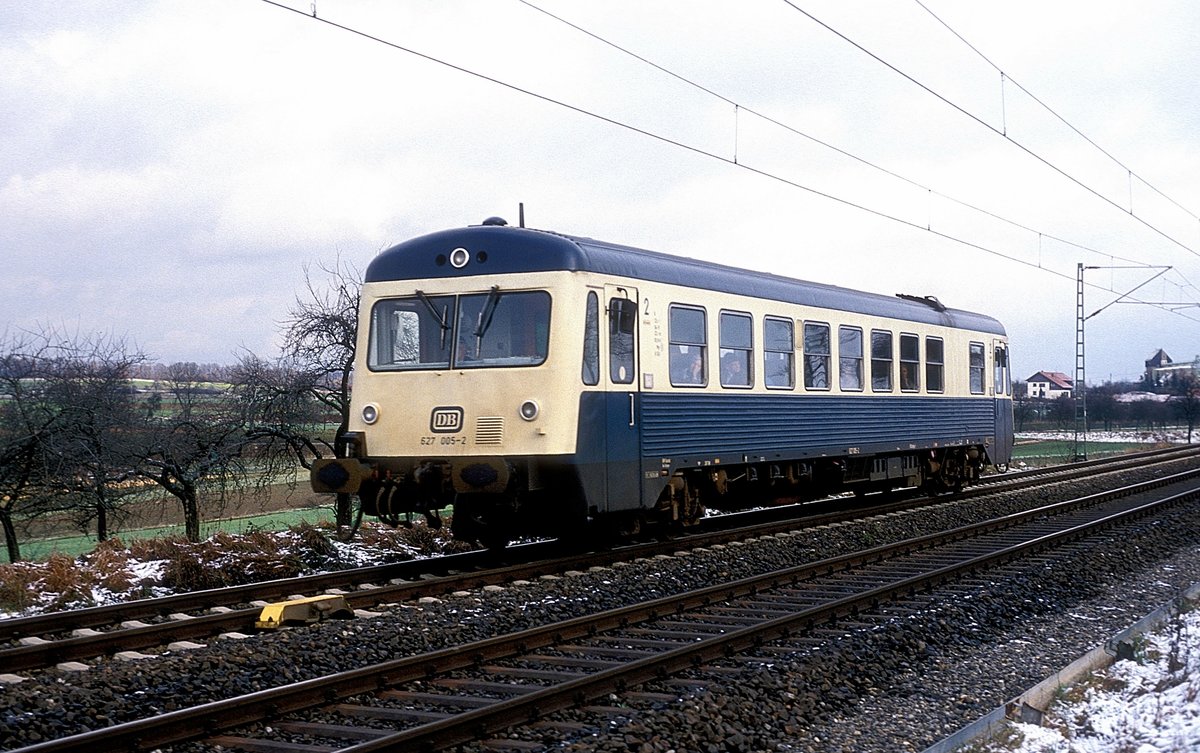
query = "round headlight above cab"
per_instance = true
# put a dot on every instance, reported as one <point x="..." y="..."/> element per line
<point x="370" y="413"/>
<point x="529" y="410"/>
<point x="459" y="257"/>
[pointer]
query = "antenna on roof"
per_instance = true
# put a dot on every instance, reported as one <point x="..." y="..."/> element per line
<point x="521" y="211"/>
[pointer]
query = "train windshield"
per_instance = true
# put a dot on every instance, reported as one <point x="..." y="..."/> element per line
<point x="495" y="328"/>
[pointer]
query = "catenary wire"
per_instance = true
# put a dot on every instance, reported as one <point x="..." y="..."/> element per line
<point x="845" y="153"/>
<point x="1060" y="118"/>
<point x="990" y="127"/>
<point x="673" y="142"/>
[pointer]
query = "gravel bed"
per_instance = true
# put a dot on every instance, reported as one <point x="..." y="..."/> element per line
<point x="898" y="687"/>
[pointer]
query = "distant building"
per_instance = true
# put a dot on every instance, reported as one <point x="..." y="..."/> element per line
<point x="1160" y="368"/>
<point x="1050" y="385"/>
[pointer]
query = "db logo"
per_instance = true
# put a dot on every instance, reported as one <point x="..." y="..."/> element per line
<point x="446" y="420"/>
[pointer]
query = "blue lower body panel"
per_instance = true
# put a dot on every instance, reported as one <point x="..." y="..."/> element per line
<point x="798" y="426"/>
<point x="679" y="430"/>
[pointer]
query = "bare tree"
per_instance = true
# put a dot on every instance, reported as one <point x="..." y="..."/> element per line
<point x="24" y="423"/>
<point x="278" y="407"/>
<point x="320" y="336"/>
<point x="63" y="418"/>
<point x="185" y="381"/>
<point x="1102" y="405"/>
<point x="209" y="451"/>
<point x="87" y="379"/>
<point x="1186" y="400"/>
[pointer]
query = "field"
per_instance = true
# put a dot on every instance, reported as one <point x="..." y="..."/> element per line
<point x="283" y="506"/>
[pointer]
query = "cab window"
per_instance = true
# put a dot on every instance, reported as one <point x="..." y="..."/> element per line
<point x="591" y="340"/>
<point x="502" y="329"/>
<point x="411" y="333"/>
<point x="494" y="328"/>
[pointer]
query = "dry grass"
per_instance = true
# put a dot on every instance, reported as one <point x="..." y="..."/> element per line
<point x="146" y="567"/>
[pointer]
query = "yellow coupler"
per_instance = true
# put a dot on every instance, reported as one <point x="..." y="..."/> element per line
<point x="303" y="611"/>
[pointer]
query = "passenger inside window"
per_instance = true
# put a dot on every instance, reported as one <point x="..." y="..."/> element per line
<point x="687" y="365"/>
<point x="733" y="371"/>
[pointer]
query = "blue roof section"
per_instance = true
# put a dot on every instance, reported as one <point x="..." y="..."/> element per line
<point x="496" y="249"/>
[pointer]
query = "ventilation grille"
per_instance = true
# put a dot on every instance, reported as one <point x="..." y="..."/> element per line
<point x="489" y="430"/>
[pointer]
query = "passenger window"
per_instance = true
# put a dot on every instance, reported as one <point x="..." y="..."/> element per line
<point x="977" y="366"/>
<point x="910" y="363"/>
<point x="881" y="360"/>
<point x="816" y="356"/>
<point x="935" y="364"/>
<point x="591" y="340"/>
<point x="736" y="343"/>
<point x="850" y="358"/>
<point x="622" y="321"/>
<point x="688" y="335"/>
<point x="779" y="348"/>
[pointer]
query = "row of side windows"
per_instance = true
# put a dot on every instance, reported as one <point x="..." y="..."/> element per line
<point x="858" y="358"/>
<point x="689" y="363"/>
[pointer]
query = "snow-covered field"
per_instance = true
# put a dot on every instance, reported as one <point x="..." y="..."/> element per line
<point x="1162" y="436"/>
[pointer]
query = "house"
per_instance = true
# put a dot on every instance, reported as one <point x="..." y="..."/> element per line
<point x="1050" y="385"/>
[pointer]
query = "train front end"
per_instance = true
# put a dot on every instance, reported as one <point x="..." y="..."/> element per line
<point x="462" y="393"/>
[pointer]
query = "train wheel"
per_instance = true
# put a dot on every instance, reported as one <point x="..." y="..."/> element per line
<point x="945" y="472"/>
<point x="679" y="504"/>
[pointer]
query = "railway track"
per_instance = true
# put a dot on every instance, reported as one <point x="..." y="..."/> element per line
<point x="48" y="640"/>
<point x="466" y="693"/>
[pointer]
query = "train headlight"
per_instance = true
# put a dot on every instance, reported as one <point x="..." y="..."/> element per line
<point x="530" y="410"/>
<point x="459" y="258"/>
<point x="370" y="414"/>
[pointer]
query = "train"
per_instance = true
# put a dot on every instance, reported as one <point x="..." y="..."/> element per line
<point x="544" y="384"/>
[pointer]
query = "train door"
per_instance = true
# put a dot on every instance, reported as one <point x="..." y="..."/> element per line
<point x="1003" y="404"/>
<point x="623" y="435"/>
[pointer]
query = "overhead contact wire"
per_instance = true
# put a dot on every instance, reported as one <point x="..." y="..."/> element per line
<point x="989" y="126"/>
<point x="663" y="139"/>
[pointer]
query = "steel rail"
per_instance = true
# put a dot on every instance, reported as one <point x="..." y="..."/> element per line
<point x="208" y="719"/>
<point x="528" y="708"/>
<point x="531" y="563"/>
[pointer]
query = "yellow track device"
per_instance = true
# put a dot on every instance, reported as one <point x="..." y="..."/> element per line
<point x="303" y="611"/>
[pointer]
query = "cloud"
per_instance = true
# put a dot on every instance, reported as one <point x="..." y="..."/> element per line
<point x="168" y="169"/>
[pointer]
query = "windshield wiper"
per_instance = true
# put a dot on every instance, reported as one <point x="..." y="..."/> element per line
<point x="441" y="317"/>
<point x="489" y="310"/>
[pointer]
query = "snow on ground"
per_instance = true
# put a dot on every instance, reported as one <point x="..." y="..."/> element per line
<point x="1147" y="705"/>
<point x="1158" y="436"/>
<point x="113" y="573"/>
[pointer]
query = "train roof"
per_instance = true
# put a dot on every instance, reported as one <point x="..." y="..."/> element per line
<point x="502" y="249"/>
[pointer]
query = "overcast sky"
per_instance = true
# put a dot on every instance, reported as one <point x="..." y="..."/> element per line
<point x="168" y="169"/>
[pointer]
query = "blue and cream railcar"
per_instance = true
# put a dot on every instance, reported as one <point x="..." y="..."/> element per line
<point x="538" y="381"/>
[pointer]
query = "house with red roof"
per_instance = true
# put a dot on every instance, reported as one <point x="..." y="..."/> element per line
<point x="1050" y="385"/>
